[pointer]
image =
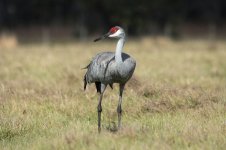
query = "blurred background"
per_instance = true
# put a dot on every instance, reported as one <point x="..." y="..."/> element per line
<point x="24" y="21"/>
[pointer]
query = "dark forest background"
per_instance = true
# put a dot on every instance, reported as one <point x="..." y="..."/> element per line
<point x="81" y="18"/>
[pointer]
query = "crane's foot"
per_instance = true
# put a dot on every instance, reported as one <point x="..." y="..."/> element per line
<point x="99" y="129"/>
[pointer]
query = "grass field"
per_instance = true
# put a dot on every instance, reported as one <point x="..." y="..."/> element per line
<point x="175" y="100"/>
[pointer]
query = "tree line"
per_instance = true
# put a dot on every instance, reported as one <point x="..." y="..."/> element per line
<point x="136" y="15"/>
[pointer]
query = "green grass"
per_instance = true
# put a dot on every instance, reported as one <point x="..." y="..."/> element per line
<point x="175" y="100"/>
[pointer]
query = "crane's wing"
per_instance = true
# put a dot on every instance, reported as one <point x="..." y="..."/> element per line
<point x="97" y="68"/>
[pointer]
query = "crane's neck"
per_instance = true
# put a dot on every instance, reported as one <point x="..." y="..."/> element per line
<point x="118" y="51"/>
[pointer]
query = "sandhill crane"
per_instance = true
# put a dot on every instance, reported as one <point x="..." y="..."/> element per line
<point x="107" y="68"/>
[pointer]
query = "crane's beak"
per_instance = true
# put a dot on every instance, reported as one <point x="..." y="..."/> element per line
<point x="102" y="37"/>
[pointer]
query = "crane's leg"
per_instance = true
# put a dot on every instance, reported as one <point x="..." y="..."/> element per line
<point x="119" y="108"/>
<point x="99" y="107"/>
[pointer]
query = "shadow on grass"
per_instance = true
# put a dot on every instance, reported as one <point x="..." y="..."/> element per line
<point x="9" y="134"/>
<point x="112" y="127"/>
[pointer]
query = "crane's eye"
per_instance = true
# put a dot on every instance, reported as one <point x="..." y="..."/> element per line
<point x="113" y="30"/>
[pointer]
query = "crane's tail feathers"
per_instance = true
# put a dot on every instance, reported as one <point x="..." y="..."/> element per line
<point x="111" y="85"/>
<point x="85" y="82"/>
<point x="85" y="79"/>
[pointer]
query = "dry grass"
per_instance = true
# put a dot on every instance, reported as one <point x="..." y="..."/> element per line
<point x="176" y="99"/>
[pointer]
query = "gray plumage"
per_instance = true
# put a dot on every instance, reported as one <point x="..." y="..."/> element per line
<point x="104" y="69"/>
<point x="107" y="68"/>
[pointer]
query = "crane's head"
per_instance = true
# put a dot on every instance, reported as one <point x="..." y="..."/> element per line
<point x="114" y="32"/>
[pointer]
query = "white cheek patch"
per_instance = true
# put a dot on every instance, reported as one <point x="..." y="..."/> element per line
<point x="117" y="33"/>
